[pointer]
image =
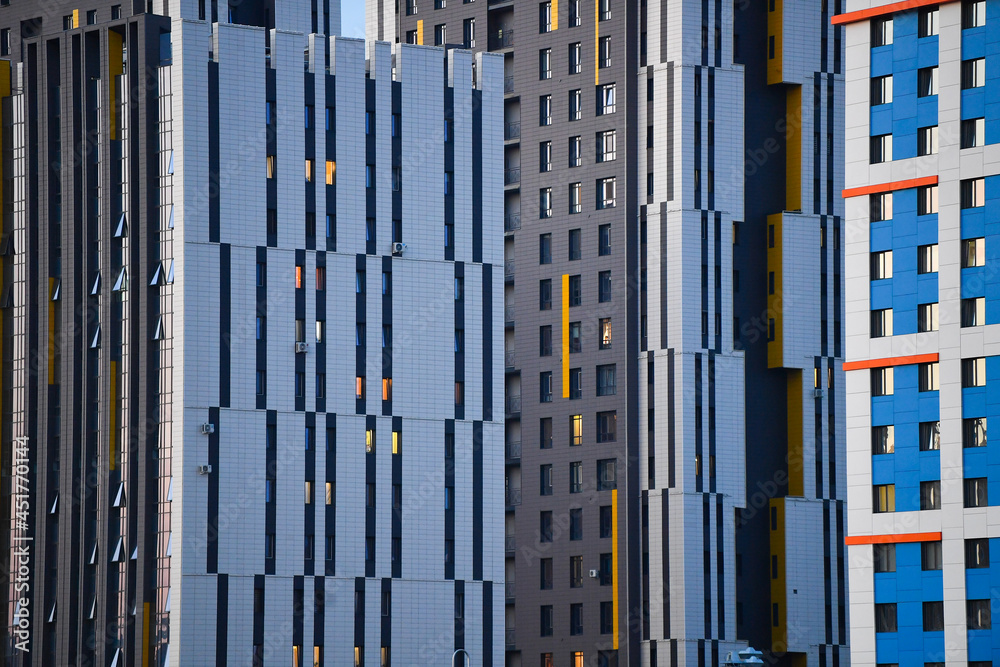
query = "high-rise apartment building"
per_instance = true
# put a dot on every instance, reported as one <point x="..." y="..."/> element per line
<point x="251" y="296"/>
<point x="923" y="371"/>
<point x="673" y="290"/>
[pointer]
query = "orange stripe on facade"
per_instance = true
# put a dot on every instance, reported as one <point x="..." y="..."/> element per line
<point x="865" y="14"/>
<point x="854" y="540"/>
<point x="890" y="361"/>
<point x="889" y="187"/>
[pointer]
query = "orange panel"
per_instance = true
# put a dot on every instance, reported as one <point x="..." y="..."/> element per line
<point x="890" y="361"/>
<point x="864" y="14"/>
<point x="891" y="539"/>
<point x="889" y="187"/>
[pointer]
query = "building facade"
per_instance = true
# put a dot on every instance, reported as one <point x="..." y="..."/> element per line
<point x="653" y="331"/>
<point x="252" y="297"/>
<point x="922" y="330"/>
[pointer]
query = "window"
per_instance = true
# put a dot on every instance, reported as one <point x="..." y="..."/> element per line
<point x="973" y="193"/>
<point x="881" y="322"/>
<point x="261" y="327"/>
<point x="575" y="152"/>
<point x="5" y="42"/>
<point x="545" y="64"/>
<point x="545" y="527"/>
<point x="546" y="612"/>
<point x="576" y="571"/>
<point x="575" y="430"/>
<point x="978" y="613"/>
<point x="469" y="33"/>
<point x="545" y="387"/>
<point x="575" y="58"/>
<point x="545" y="203"/>
<point x="884" y="498"/>
<point x="880" y="207"/>
<point x="927" y="22"/>
<point x="545" y="480"/>
<point x="575" y="198"/>
<point x="575" y="525"/>
<point x="930" y="495"/>
<point x="973" y="73"/>
<point x="604" y="240"/>
<point x="545" y="156"/>
<point x="927" y="200"/>
<point x="606" y="380"/>
<point x="545" y="433"/>
<point x="927" y="317"/>
<point x="883" y="439"/>
<point x="605" y="10"/>
<point x="974" y="372"/>
<point x="387" y="390"/>
<point x="575" y="383"/>
<point x="547" y="660"/>
<point x="545" y="294"/>
<point x="604" y="52"/>
<point x="605" y="573"/>
<point x="607" y="475"/>
<point x="359" y="387"/>
<point x="545" y="110"/>
<point x="881" y="149"/>
<point x="881" y="263"/>
<point x="545" y="341"/>
<point x="607" y="146"/>
<point x="975" y="492"/>
<point x="440" y="35"/>
<point x="545" y="17"/>
<point x="575" y="105"/>
<point x="574" y="13"/>
<point x="927" y="259"/>
<point x="884" y="557"/>
<point x="575" y="290"/>
<point x="927" y="81"/>
<point x="606" y="99"/>
<point x="604" y="331"/>
<point x="575" y="244"/>
<point x="928" y="377"/>
<point x="973" y="132"/>
<point x="930" y="436"/>
<point x="977" y="553"/>
<point x="606" y="190"/>
<point x="576" y="619"/>
<point x="973" y="14"/>
<point x="885" y="617"/>
<point x="974" y="312"/>
<point x="881" y="90"/>
<point x="575" y="342"/>
<point x="607" y="426"/>
<point x="933" y="616"/>
<point x="927" y="140"/>
<point x="974" y="432"/>
<point x="604" y="286"/>
<point x="881" y="32"/>
<point x="605" y="522"/>
<point x="973" y="253"/>
<point x="576" y="477"/>
<point x="261" y="383"/>
<point x="930" y="556"/>
<point x="545" y="248"/>
<point x="607" y="618"/>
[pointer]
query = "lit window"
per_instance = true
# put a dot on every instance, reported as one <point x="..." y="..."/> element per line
<point x="883" y="439"/>
<point x="359" y="387"/>
<point x="331" y="171"/>
<point x="386" y="389"/>
<point x="575" y="430"/>
<point x="309" y="171"/>
<point x="881" y="90"/>
<point x="397" y="442"/>
<point x="973" y="73"/>
<point x="272" y="166"/>
<point x="973" y="253"/>
<point x="927" y="259"/>
<point x="974" y="312"/>
<point x="881" y="324"/>
<point x="369" y="441"/>
<point x="974" y="372"/>
<point x="884" y="498"/>
<point x="882" y="381"/>
<point x="309" y="492"/>
<point x="298" y="276"/>
<point x="880" y="207"/>
<point x="881" y="32"/>
<point x="927" y="317"/>
<point x="607" y="98"/>
<point x="604" y="326"/>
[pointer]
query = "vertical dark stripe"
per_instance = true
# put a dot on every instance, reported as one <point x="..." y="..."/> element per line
<point x="397" y="512"/>
<point x="706" y="563"/>
<point x="359" y="611"/>
<point x="699" y="422"/>
<point x="477" y="177"/>
<point x="212" y="544"/>
<point x="701" y="653"/>
<point x="673" y="653"/>
<point x="360" y="353"/>
<point x="717" y="325"/>
<point x="720" y="573"/>
<point x="710" y="146"/>
<point x="262" y="341"/>
<point x="386" y="629"/>
<point x="222" y="620"/>
<point x="698" y="185"/>
<point x="711" y="423"/>
<point x="665" y="549"/>
<point x="704" y="24"/>
<point x="318" y="495"/>
<point x="387" y="322"/>
<point x="487" y="624"/>
<point x="705" y="324"/>
<point x="298" y="602"/>
<point x="671" y="432"/>
<point x="718" y="57"/>
<point x="258" y="611"/>
<point x="459" y="618"/>
<point x="487" y="342"/>
<point x="320" y="350"/>
<point x="330" y="533"/>
<point x="827" y="574"/>
<point x="225" y="322"/>
<point x="300" y="314"/>
<point x="270" y="90"/>
<point x="449" y="512"/>
<point x="670" y="115"/>
<point x="270" y="472"/>
<point x="371" y="478"/>
<point x="662" y="267"/>
<point x="477" y="500"/>
<point x="650" y="425"/>
<point x="460" y="324"/>
<point x="841" y="580"/>
<point x="319" y="616"/>
<point x="449" y="168"/>
<point x="214" y="233"/>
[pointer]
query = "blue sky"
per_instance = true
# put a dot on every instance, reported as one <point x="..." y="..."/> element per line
<point x="352" y="18"/>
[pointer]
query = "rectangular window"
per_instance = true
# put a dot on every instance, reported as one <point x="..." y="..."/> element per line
<point x="440" y="34"/>
<point x="545" y="110"/>
<point x="607" y="618"/>
<point x="575" y="525"/>
<point x="927" y="22"/>
<point x="929" y="376"/>
<point x="576" y="571"/>
<point x="881" y="31"/>
<point x="973" y="253"/>
<point x="973" y="14"/>
<point x="973" y="73"/>
<point x="605" y="522"/>
<point x="927" y="81"/>
<point x="469" y="33"/>
<point x="607" y="475"/>
<point x="545" y="294"/>
<point x="978" y="613"/>
<point x="881" y="265"/>
<point x="575" y="244"/>
<point x="546" y="622"/>
<point x="545" y="341"/>
<point x="607" y="146"/>
<point x="606" y="380"/>
<point x="575" y="152"/>
<point x="881" y="323"/>
<point x="545" y="387"/>
<point x="575" y="105"/>
<point x="975" y="492"/>
<point x="930" y="556"/>
<point x="575" y="383"/>
<point x="930" y="436"/>
<point x="933" y="616"/>
<point x="545" y="248"/>
<point x="927" y="140"/>
<point x="606" y="99"/>
<point x="930" y="495"/>
<point x="545" y="203"/>
<point x="973" y="132"/>
<point x="545" y="480"/>
<point x="603" y="240"/>
<point x="883" y="439"/>
<point x="575" y="291"/>
<point x="885" y="617"/>
<point x="574" y="13"/>
<point x="576" y="477"/>
<point x="927" y="317"/>
<point x="927" y="259"/>
<point x="880" y="207"/>
<point x="927" y="200"/>
<point x="604" y="286"/>
<point x="545" y="156"/>
<point x="575" y="337"/>
<point x="606" y="193"/>
<point x="881" y="90"/>
<point x="575" y="198"/>
<point x="576" y="619"/>
<point x="604" y="330"/>
<point x="575" y="58"/>
<point x="974" y="372"/>
<point x="545" y="17"/>
<point x="977" y="553"/>
<point x="973" y="192"/>
<point x="974" y="312"/>
<point x="884" y="557"/>
<point x="607" y="426"/>
<point x="575" y="430"/>
<point x="604" y="52"/>
<point x="5" y="42"/>
<point x="974" y="432"/>
<point x="545" y="64"/>
<point x="884" y="498"/>
<point x="545" y="526"/>
<point x="881" y="149"/>
<point x="545" y="433"/>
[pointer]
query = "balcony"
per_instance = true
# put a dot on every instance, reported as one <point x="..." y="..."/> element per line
<point x="513" y="409"/>
<point x="508" y="316"/>
<point x="510" y="591"/>
<point x="512" y="222"/>
<point x="510" y="545"/>
<point x="509" y="360"/>
<point x="512" y="176"/>
<point x="512" y="131"/>
<point x="508" y="85"/>
<point x="513" y="497"/>
<point x="503" y="38"/>
<point x="508" y="271"/>
<point x="513" y="452"/>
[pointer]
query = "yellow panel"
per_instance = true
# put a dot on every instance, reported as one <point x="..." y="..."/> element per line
<point x="795" y="472"/>
<point x="113" y="421"/>
<point x="779" y="632"/>
<point x="775" y="352"/>
<point x="116" y="68"/>
<point x="793" y="149"/>
<point x="555" y="15"/>
<point x="76" y="18"/>
<point x="614" y="563"/>
<point x="565" y="335"/>
<point x="775" y="21"/>
<point x="420" y="31"/>
<point x="4" y="78"/>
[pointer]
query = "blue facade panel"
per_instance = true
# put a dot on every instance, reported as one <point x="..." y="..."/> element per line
<point x="909" y="587"/>
<point x="985" y="461"/>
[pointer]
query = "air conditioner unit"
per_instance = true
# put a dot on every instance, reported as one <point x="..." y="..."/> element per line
<point x="398" y="248"/>
<point x="204" y="470"/>
<point x="208" y="428"/>
<point x="593" y="574"/>
<point x="301" y="347"/>
<point x="817" y="393"/>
